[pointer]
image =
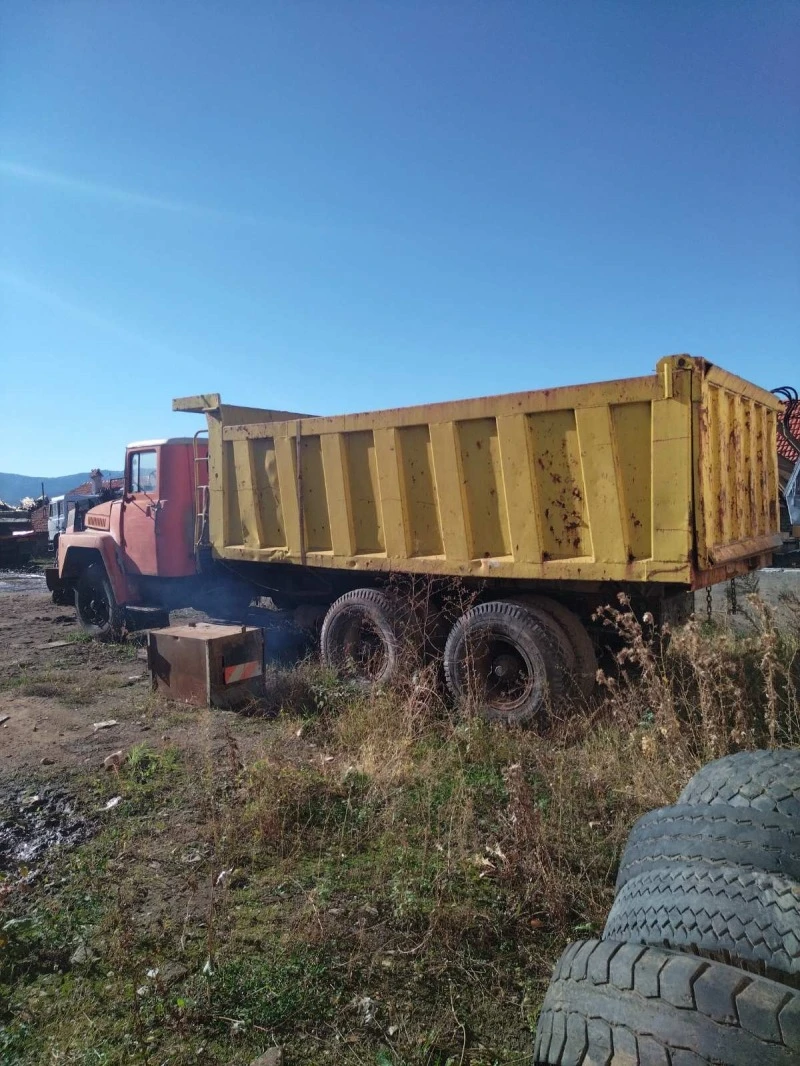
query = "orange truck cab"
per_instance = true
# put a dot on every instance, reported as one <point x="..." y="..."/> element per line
<point x="139" y="555"/>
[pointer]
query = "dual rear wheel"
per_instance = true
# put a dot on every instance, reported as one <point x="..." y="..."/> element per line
<point x="509" y="660"/>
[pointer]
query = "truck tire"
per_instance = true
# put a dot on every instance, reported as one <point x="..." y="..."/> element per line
<point x="362" y="637"/>
<point x="584" y="670"/>
<point x="766" y="780"/>
<point x="732" y="836"/>
<point x="98" y="612"/>
<point x="63" y="597"/>
<point x="746" y="918"/>
<point x="645" y="1006"/>
<point x="500" y="659"/>
<point x="557" y="632"/>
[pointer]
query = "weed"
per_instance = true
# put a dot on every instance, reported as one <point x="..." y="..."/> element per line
<point x="79" y="637"/>
<point x="146" y="772"/>
<point x="270" y="992"/>
<point x="377" y="879"/>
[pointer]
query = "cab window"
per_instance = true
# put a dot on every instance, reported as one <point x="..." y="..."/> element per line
<point x="142" y="472"/>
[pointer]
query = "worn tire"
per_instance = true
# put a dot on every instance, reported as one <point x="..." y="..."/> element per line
<point x="645" y="1006"/>
<point x="532" y="650"/>
<point x="765" y="780"/>
<point x="362" y="637"/>
<point x="732" y="836"/>
<point x="96" y="606"/>
<point x="584" y="667"/>
<point x="556" y="631"/>
<point x="746" y="918"/>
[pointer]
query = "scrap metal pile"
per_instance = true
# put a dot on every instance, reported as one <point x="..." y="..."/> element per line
<point x="19" y="542"/>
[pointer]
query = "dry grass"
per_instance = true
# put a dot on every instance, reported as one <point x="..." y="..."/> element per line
<point x="385" y="880"/>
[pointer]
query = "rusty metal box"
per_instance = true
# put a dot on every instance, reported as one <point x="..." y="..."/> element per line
<point x="207" y="665"/>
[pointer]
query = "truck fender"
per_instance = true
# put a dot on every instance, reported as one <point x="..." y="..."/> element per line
<point x="75" y="558"/>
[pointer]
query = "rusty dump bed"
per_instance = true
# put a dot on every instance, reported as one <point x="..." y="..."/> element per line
<point x="666" y="478"/>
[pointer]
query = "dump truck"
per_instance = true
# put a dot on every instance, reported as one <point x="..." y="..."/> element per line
<point x="527" y="511"/>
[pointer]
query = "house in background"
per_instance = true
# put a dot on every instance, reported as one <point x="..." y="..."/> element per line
<point x="55" y="514"/>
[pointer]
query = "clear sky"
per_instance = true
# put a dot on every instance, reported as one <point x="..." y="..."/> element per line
<point x="332" y="206"/>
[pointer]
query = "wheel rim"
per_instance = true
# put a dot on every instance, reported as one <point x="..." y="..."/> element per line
<point x="505" y="677"/>
<point x="96" y="608"/>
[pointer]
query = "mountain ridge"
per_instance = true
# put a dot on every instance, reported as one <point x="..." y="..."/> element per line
<point x="15" y="487"/>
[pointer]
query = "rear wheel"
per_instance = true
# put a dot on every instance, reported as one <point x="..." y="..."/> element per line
<point x="362" y="637"/>
<point x="98" y="612"/>
<point x="581" y="657"/>
<point x="503" y="661"/>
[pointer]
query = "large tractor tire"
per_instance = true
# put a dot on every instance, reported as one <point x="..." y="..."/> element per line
<point x="732" y="836"/>
<point x="501" y="660"/>
<point x="614" y="1003"/>
<point x="746" y="918"/>
<point x="765" y="780"/>
<point x="98" y="612"/>
<point x="367" y="638"/>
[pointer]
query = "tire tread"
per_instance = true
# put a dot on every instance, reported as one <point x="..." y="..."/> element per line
<point x="741" y="916"/>
<point x="722" y="1014"/>
<point x="720" y="834"/>
<point x="767" y="780"/>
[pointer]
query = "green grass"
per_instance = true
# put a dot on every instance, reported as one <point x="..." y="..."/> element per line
<point x="342" y="902"/>
<point x="377" y="883"/>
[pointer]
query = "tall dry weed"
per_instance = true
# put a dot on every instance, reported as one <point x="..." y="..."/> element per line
<point x="706" y="690"/>
<point x="435" y="808"/>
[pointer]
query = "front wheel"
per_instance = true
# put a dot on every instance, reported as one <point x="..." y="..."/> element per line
<point x="98" y="612"/>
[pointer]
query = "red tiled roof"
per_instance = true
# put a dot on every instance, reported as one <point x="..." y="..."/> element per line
<point x="87" y="488"/>
<point x="785" y="448"/>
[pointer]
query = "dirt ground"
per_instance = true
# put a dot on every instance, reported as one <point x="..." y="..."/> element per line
<point x="361" y="878"/>
<point x="55" y="686"/>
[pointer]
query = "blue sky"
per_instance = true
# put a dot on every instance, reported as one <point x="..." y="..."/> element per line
<point x="333" y="206"/>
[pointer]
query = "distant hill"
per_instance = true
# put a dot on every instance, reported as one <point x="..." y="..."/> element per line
<point x="15" y="487"/>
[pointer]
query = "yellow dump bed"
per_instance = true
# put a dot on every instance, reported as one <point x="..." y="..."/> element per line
<point x="667" y="478"/>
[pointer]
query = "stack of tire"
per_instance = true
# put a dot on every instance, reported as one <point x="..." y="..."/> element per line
<point x="699" y="962"/>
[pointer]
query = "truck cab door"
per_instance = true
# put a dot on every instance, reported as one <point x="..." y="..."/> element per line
<point x="139" y="509"/>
